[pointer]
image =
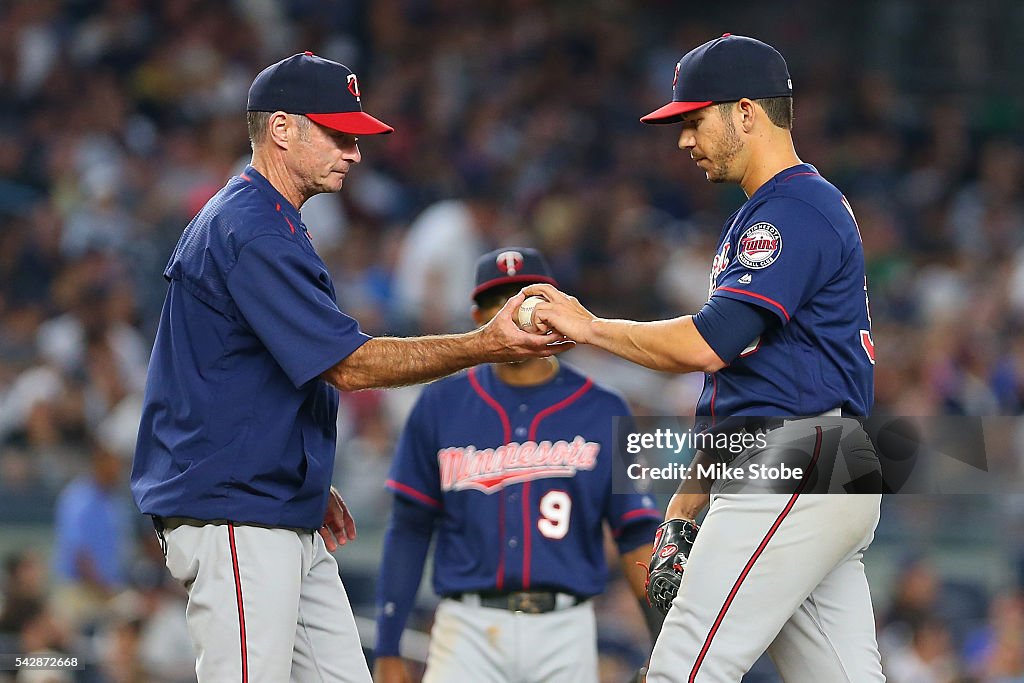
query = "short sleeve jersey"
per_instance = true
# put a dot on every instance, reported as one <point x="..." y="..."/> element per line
<point x="521" y="481"/>
<point x="794" y="249"/>
<point x="237" y="423"/>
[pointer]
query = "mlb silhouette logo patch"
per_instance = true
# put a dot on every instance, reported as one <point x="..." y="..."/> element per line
<point x="760" y="245"/>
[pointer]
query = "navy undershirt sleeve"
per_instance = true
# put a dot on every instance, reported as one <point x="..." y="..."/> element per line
<point x="637" y="534"/>
<point x="730" y="325"/>
<point x="406" y="542"/>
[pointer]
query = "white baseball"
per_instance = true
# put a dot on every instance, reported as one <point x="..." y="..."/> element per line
<point x="524" y="316"/>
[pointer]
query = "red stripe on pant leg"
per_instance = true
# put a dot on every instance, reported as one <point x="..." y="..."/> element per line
<point x="238" y="598"/>
<point x="757" y="554"/>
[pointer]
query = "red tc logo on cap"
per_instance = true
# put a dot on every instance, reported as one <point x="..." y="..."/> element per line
<point x="353" y="86"/>
<point x="675" y="76"/>
<point x="511" y="262"/>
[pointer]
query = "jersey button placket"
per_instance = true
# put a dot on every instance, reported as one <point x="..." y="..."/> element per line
<point x="521" y="431"/>
<point x="514" y="521"/>
<point x="513" y="540"/>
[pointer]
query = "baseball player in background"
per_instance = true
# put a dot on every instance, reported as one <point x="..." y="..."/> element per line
<point x="237" y="439"/>
<point x="785" y="332"/>
<point x="509" y="466"/>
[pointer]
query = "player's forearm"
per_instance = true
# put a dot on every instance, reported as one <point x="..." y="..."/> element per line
<point x="668" y="345"/>
<point x="693" y="494"/>
<point x="392" y="362"/>
<point x="634" y="565"/>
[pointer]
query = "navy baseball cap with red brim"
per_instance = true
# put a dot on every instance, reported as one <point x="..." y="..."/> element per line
<point x="323" y="91"/>
<point x="725" y="69"/>
<point x="511" y="265"/>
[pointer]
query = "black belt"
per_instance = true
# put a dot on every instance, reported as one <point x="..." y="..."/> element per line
<point x="168" y="523"/>
<point x="753" y="426"/>
<point x="737" y="426"/>
<point x="528" y="602"/>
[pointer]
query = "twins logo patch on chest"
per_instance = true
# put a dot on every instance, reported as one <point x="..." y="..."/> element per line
<point x="759" y="246"/>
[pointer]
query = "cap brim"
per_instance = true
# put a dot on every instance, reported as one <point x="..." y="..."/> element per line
<point x="352" y="122"/>
<point x="525" y="279"/>
<point x="673" y="112"/>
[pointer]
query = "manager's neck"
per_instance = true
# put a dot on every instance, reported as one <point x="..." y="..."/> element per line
<point x="273" y="167"/>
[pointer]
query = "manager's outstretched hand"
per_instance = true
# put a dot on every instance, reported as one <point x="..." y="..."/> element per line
<point x="560" y="312"/>
<point x="505" y="341"/>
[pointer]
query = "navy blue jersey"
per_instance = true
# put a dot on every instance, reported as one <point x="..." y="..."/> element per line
<point x="521" y="481"/>
<point x="794" y="249"/>
<point x="236" y="422"/>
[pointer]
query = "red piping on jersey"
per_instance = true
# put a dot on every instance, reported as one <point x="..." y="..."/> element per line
<point x="757" y="554"/>
<point x="277" y="205"/>
<point x="714" y="393"/>
<point x="633" y="514"/>
<point x="755" y="295"/>
<point x="506" y="426"/>
<point x="499" y="579"/>
<point x="565" y="402"/>
<point x="640" y="512"/>
<point x="410" y="491"/>
<point x="752" y="351"/>
<point x="527" y="533"/>
<point x="238" y="599"/>
<point x="527" y="526"/>
<point x="796" y="174"/>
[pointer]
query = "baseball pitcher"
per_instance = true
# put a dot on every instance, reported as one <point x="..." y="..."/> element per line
<point x="785" y="333"/>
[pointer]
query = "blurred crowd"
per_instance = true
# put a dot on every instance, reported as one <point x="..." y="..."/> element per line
<point x="517" y="123"/>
